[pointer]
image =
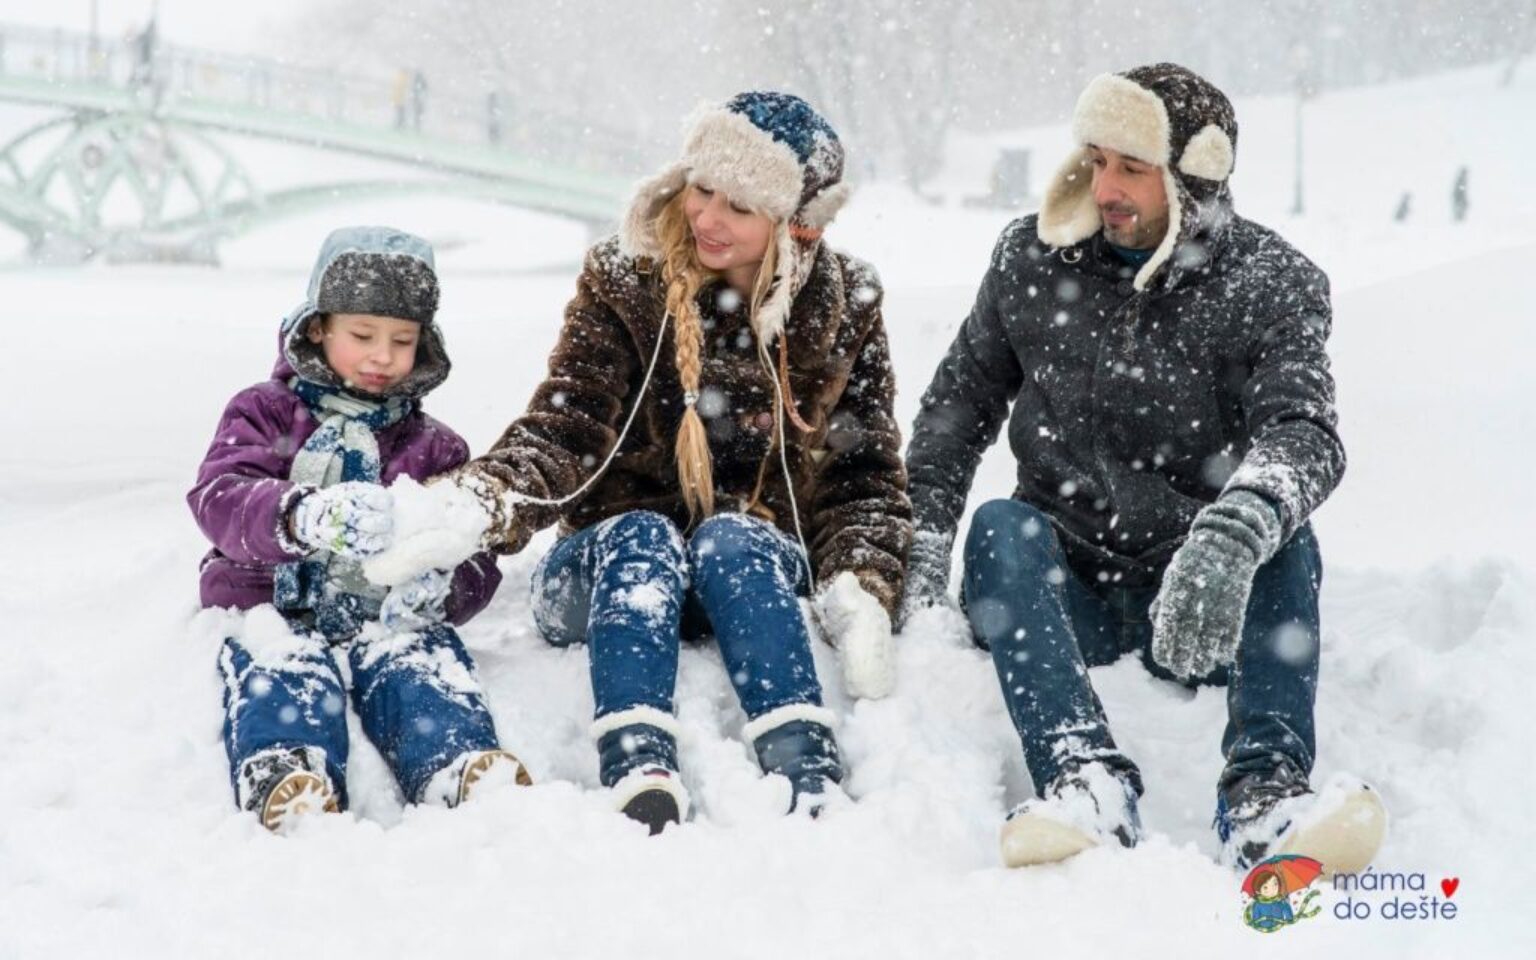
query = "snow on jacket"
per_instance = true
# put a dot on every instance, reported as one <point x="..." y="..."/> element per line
<point x="243" y="494"/>
<point x="849" y="481"/>
<point x="1132" y="409"/>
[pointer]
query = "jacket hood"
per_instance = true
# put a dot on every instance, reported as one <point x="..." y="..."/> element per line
<point x="374" y="270"/>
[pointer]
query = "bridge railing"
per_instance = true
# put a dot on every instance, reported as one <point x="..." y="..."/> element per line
<point x="155" y="72"/>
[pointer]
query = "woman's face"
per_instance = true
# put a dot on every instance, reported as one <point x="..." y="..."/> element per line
<point x="727" y="238"/>
<point x="1269" y="887"/>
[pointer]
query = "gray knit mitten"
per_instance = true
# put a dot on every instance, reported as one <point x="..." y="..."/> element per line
<point x="1197" y="618"/>
<point x="927" y="581"/>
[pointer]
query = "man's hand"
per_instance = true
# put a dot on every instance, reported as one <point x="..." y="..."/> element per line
<point x="927" y="581"/>
<point x="1197" y="618"/>
<point x="352" y="519"/>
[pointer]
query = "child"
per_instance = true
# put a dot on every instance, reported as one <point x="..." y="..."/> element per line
<point x="293" y="495"/>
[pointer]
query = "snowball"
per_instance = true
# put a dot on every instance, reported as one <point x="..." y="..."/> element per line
<point x="437" y="527"/>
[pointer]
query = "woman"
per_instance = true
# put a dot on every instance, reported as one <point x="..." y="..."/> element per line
<point x="702" y="495"/>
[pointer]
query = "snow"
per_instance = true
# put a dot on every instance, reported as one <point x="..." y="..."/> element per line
<point x="118" y="836"/>
<point x="436" y="527"/>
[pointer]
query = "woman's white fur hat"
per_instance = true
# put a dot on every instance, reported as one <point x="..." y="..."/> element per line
<point x="769" y="152"/>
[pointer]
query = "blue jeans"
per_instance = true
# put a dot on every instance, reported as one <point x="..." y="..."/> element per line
<point x="1046" y="626"/>
<point x="415" y="693"/>
<point x="632" y="589"/>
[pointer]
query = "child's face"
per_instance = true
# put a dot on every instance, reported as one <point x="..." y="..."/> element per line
<point x="370" y="353"/>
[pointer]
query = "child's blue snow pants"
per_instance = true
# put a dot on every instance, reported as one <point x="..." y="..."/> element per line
<point x="415" y="693"/>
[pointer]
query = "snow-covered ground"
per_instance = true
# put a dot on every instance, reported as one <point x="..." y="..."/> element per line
<point x="118" y="837"/>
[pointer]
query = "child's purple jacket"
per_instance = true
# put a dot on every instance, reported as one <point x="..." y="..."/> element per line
<point x="243" y="494"/>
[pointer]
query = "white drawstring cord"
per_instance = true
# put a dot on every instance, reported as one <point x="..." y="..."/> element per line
<point x="789" y="482"/>
<point x="514" y="497"/>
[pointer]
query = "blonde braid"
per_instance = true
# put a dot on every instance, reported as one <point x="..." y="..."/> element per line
<point x="683" y="277"/>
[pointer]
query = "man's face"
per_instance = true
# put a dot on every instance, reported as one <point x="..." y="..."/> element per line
<point x="1132" y="200"/>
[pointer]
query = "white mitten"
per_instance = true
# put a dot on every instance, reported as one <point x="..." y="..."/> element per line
<point x="418" y="603"/>
<point x="436" y="527"/>
<point x="350" y="519"/>
<point x="858" y="626"/>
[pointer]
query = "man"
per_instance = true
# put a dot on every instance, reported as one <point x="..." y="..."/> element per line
<point x="1174" y="427"/>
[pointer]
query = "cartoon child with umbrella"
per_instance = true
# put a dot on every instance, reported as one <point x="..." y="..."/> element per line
<point x="1270" y="885"/>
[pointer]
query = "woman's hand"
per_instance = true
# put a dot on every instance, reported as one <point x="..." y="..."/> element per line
<point x="855" y="623"/>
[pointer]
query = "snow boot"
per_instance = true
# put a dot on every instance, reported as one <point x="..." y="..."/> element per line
<point x="653" y="795"/>
<point x="637" y="760"/>
<point x="283" y="785"/>
<point x="796" y="742"/>
<point x="1085" y="807"/>
<point x="1260" y="816"/>
<point x="474" y="771"/>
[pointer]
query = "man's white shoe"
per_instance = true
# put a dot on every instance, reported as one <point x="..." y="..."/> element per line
<point x="1083" y="808"/>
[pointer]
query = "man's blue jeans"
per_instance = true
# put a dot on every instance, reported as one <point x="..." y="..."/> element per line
<point x="631" y="589"/>
<point x="1045" y="626"/>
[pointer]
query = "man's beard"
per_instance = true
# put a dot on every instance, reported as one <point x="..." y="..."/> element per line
<point x="1142" y="234"/>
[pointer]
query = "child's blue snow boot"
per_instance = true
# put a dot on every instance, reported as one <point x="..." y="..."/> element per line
<point x="283" y="785"/>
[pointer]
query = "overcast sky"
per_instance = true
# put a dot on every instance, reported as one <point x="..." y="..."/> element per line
<point x="248" y="26"/>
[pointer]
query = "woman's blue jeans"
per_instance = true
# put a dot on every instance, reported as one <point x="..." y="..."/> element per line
<point x="1046" y="625"/>
<point x="632" y="589"/>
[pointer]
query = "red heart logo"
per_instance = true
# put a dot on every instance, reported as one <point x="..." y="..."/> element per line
<point x="1448" y="887"/>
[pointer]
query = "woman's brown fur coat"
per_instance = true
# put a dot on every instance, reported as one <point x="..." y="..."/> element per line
<point x="849" y="481"/>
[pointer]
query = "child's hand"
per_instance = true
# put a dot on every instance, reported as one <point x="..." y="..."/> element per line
<point x="351" y="519"/>
<point x="417" y="603"/>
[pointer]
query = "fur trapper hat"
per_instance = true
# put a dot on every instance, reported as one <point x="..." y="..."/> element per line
<point x="773" y="154"/>
<point x="1162" y="114"/>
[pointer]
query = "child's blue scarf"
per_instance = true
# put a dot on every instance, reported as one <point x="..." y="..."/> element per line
<point x="343" y="448"/>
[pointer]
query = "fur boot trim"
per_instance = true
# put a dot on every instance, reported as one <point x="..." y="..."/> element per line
<point x="788" y="713"/>
<point x="649" y="716"/>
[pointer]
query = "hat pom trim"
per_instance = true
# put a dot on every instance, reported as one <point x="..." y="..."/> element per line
<point x="1068" y="214"/>
<point x="1208" y="155"/>
<point x="820" y="210"/>
<point x="637" y="234"/>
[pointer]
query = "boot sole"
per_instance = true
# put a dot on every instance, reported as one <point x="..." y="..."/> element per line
<point x="1028" y="840"/>
<point x="1346" y="839"/>
<point x="298" y="795"/>
<point x="477" y="768"/>
<point x="656" y="808"/>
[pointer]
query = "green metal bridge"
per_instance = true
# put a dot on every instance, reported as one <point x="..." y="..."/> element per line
<point x="132" y="167"/>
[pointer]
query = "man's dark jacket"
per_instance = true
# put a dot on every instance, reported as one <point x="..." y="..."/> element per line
<point x="1132" y="410"/>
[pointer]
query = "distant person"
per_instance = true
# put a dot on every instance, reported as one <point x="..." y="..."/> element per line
<point x="398" y="92"/>
<point x="418" y="99"/>
<point x="716" y="439"/>
<point x="1173" y="425"/>
<point x="142" y="73"/>
<point x="1459" y="200"/>
<point x="293" y="495"/>
<point x="493" y="117"/>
